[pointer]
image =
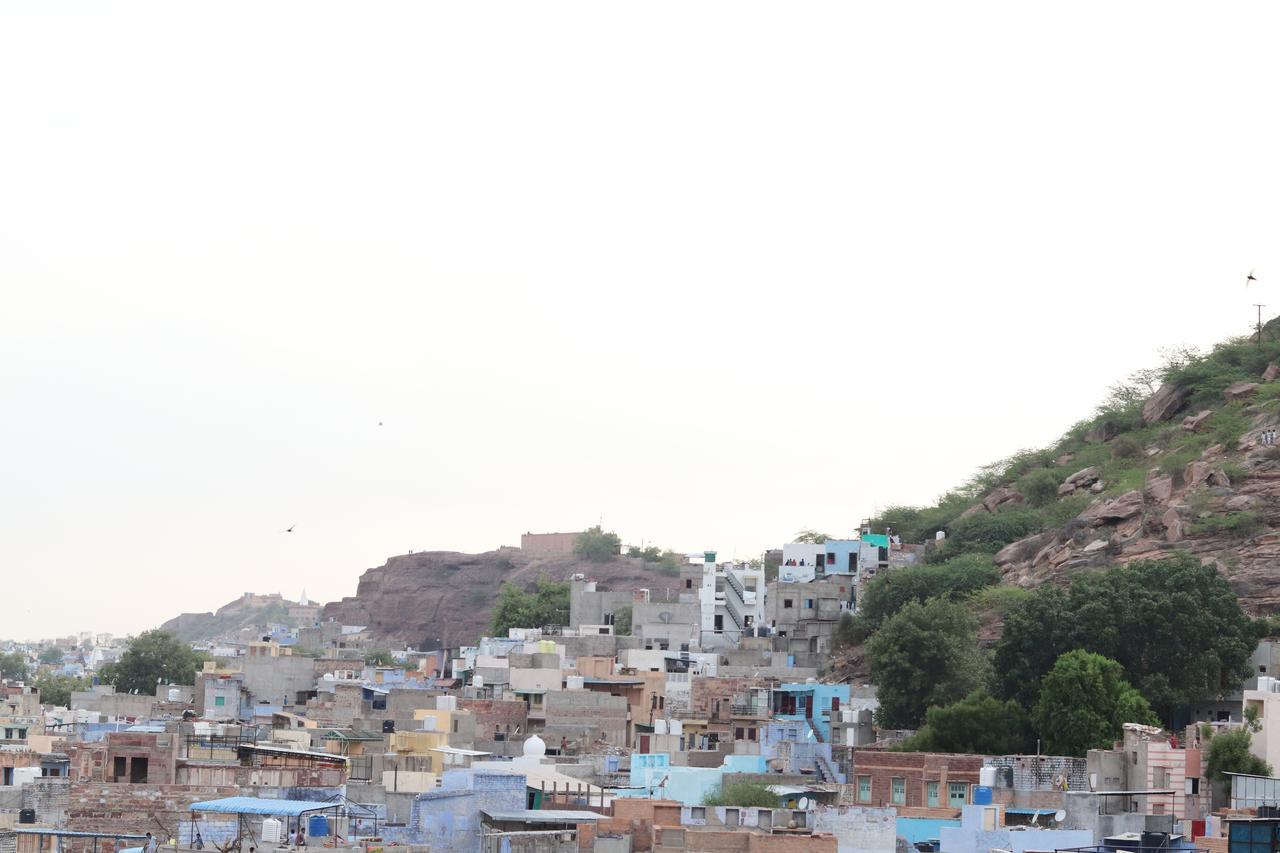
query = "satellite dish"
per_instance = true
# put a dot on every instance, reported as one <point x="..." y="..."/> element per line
<point x="804" y="803"/>
<point x="1060" y="815"/>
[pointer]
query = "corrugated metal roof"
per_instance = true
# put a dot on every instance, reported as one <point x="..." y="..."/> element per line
<point x="261" y="805"/>
<point x="543" y="816"/>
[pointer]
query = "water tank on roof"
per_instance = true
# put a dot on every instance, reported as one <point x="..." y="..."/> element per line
<point x="981" y="795"/>
<point x="574" y="682"/>
<point x="318" y="826"/>
<point x="987" y="777"/>
<point x="26" y="816"/>
<point x="272" y="830"/>
<point x="659" y="727"/>
<point x="677" y="727"/>
<point x="175" y="695"/>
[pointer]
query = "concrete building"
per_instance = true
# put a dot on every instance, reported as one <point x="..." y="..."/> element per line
<point x="803" y="617"/>
<point x="1164" y="775"/>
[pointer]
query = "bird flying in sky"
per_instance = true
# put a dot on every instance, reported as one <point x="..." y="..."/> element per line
<point x="289" y="529"/>
<point x="1250" y="278"/>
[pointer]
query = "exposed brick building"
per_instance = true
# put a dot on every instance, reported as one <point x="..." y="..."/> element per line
<point x="914" y="779"/>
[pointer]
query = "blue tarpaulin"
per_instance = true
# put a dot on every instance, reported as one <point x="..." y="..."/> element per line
<point x="261" y="805"/>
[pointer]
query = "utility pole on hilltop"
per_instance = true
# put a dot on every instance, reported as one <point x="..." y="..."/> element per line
<point x="1259" y="327"/>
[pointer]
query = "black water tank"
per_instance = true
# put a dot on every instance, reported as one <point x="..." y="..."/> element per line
<point x="388" y="726"/>
<point x="27" y="816"/>
<point x="1155" y="840"/>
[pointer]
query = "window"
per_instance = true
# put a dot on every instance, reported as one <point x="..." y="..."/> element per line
<point x="864" y="789"/>
<point x="898" y="786"/>
<point x="957" y="794"/>
<point x="931" y="794"/>
<point x="808" y="604"/>
<point x="219" y="701"/>
<point x="787" y="603"/>
<point x="698" y="813"/>
<point x="1193" y="785"/>
<point x="688" y="583"/>
<point x="22" y="734"/>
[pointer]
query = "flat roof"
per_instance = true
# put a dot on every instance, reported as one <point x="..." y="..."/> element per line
<point x="542" y="816"/>
<point x="262" y="805"/>
<point x="453" y="750"/>
<point x="284" y="750"/>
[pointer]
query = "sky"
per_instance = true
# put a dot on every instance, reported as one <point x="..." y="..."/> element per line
<point x="428" y="276"/>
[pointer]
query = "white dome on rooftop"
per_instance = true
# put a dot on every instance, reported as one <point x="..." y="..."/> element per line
<point x="534" y="747"/>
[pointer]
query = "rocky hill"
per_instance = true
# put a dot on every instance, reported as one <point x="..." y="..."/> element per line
<point x="247" y="612"/>
<point x="1186" y="457"/>
<point x="442" y="598"/>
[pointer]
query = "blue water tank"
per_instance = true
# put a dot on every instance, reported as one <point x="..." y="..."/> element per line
<point x="318" y="826"/>
<point x="981" y="795"/>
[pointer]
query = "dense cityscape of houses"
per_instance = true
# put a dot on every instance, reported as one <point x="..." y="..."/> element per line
<point x="578" y="737"/>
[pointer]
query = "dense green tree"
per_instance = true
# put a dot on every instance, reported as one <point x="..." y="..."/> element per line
<point x="56" y="689"/>
<point x="153" y="657"/>
<point x="13" y="666"/>
<point x="978" y="724"/>
<point x="1084" y="704"/>
<point x="546" y="604"/>
<point x="924" y="655"/>
<point x="1174" y="625"/>
<point x="51" y="655"/>
<point x="810" y="537"/>
<point x="887" y="593"/>
<point x="741" y="793"/>
<point x="597" y="546"/>
<point x="1229" y="753"/>
<point x="379" y="657"/>
<point x="987" y="532"/>
<point x="1037" y="631"/>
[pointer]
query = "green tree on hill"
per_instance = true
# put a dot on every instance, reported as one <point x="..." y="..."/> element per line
<point x="978" y="724"/>
<point x="597" y="546"/>
<point x="51" y="655"/>
<point x="546" y="604"/>
<point x="1173" y="625"/>
<point x="888" y="592"/>
<point x="924" y="655"/>
<point x="1085" y="702"/>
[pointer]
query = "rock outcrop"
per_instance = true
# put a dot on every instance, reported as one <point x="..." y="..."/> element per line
<point x="1165" y="403"/>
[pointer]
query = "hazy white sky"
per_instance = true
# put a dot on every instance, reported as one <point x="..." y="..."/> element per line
<point x="713" y="271"/>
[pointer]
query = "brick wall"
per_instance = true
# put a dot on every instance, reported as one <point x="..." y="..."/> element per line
<point x="916" y="769"/>
<point x="110" y="807"/>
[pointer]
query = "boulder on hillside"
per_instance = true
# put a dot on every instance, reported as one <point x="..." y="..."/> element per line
<point x="1195" y="474"/>
<point x="1165" y="403"/>
<point x="1000" y="497"/>
<point x="1081" y="479"/>
<point x="1159" y="489"/>
<point x="1239" y="391"/>
<point x="1175" y="526"/>
<point x="1193" y="423"/>
<point x="1103" y="432"/>
<point x="1117" y="509"/>
<point x="1272" y="373"/>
